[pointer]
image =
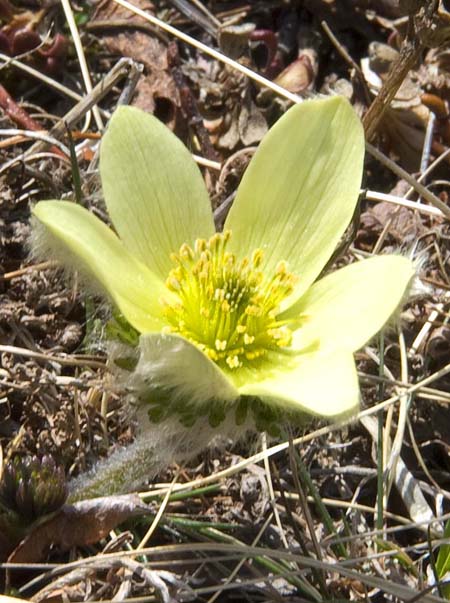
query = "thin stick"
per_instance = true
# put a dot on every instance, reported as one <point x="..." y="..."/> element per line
<point x="214" y="165"/>
<point x="425" y="159"/>
<point x="241" y="562"/>
<point x="200" y="6"/>
<point x="429" y="169"/>
<point x="35" y="268"/>
<point x="424" y="209"/>
<point x="347" y="57"/>
<point x="81" y="58"/>
<point x="428" y="325"/>
<point x="409" y="53"/>
<point x="399" y="171"/>
<point x="10" y="349"/>
<point x="160" y="513"/>
<point x="38" y="75"/>
<point x="271" y="493"/>
<point x="397" y="443"/>
<point x="120" y="70"/>
<point x="36" y="135"/>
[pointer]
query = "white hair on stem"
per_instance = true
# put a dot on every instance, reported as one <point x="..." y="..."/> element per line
<point x="155" y="447"/>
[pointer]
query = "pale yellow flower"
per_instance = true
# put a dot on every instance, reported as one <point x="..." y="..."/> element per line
<point x="223" y="316"/>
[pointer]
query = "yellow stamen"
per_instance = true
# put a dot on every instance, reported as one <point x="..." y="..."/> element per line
<point x="227" y="307"/>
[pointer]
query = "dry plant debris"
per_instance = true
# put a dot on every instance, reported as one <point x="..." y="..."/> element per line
<point x="344" y="512"/>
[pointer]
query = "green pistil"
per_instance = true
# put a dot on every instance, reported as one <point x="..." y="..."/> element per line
<point x="228" y="308"/>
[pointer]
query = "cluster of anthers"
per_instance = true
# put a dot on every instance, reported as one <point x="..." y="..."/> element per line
<point x="227" y="307"/>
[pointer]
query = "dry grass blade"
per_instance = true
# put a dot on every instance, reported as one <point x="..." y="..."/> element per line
<point x="81" y="57"/>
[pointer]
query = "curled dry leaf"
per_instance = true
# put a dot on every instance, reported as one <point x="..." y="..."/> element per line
<point x="402" y="225"/>
<point x="131" y="36"/>
<point x="298" y="76"/>
<point x="82" y="523"/>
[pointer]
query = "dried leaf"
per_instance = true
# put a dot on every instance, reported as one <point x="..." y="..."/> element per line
<point x="82" y="523"/>
<point x="156" y="91"/>
<point x="252" y="124"/>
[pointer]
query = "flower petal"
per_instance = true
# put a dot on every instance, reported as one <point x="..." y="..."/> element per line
<point x="299" y="192"/>
<point x="153" y="189"/>
<point x="346" y="308"/>
<point x="85" y="243"/>
<point x="170" y="363"/>
<point x="324" y="385"/>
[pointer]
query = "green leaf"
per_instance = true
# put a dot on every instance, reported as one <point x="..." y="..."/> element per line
<point x="217" y="413"/>
<point x="119" y="328"/>
<point x="300" y="190"/>
<point x="443" y="561"/>
<point x="153" y="189"/>
<point x="126" y="363"/>
<point x="348" y="307"/>
<point x="82" y="242"/>
<point x="241" y="410"/>
<point x="324" y="385"/>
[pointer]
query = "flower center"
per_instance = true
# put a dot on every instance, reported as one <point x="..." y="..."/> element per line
<point x="228" y="308"/>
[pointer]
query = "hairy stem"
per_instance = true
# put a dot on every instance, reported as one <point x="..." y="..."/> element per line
<point x="125" y="470"/>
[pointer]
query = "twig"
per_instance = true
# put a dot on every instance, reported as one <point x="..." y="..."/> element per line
<point x="428" y="325"/>
<point x="399" y="171"/>
<point x="35" y="268"/>
<point x="409" y="54"/>
<point x="422" y="32"/>
<point x="424" y="209"/>
<point x="67" y="360"/>
<point x="159" y="514"/>
<point x="391" y="466"/>
<point x="346" y="56"/>
<point x="199" y="14"/>
<point x="425" y="159"/>
<point x="81" y="58"/>
<point x="58" y="147"/>
<point x="443" y="156"/>
<point x="120" y="70"/>
<point x="276" y="515"/>
<point x="43" y="78"/>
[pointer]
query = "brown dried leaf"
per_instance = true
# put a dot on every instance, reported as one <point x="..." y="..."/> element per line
<point x="156" y="87"/>
<point x="298" y="76"/>
<point x="82" y="523"/>
<point x="252" y="124"/>
<point x="404" y="224"/>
